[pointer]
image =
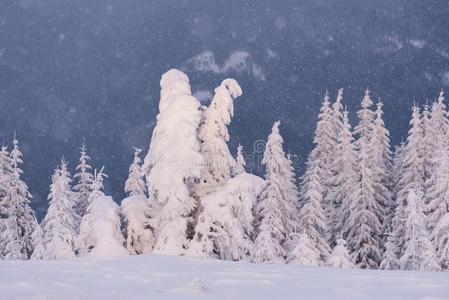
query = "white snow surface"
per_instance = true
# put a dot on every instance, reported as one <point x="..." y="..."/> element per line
<point x="172" y="277"/>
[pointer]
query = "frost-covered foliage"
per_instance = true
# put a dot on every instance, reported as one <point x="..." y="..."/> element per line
<point x="440" y="237"/>
<point x="17" y="221"/>
<point x="240" y="165"/>
<point x="276" y="213"/>
<point x="100" y="234"/>
<point x="419" y="253"/>
<point x="312" y="217"/>
<point x="389" y="259"/>
<point x="213" y="134"/>
<point x="363" y="228"/>
<point x="341" y="181"/>
<point x="60" y="223"/>
<point x="174" y="163"/>
<point x="339" y="258"/>
<point x="303" y="252"/>
<point x="410" y="177"/>
<point x="225" y="225"/>
<point x="38" y="243"/>
<point x="84" y="179"/>
<point x="138" y="233"/>
<point x="135" y="184"/>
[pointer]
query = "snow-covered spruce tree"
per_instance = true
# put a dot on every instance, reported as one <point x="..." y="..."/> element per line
<point x="440" y="237"/>
<point x="240" y="165"/>
<point x="312" y="219"/>
<point x="337" y="113"/>
<point x="225" y="224"/>
<point x="38" y="243"/>
<point x="17" y="216"/>
<point x="213" y="135"/>
<point x="60" y="222"/>
<point x="277" y="209"/>
<point x="410" y="177"/>
<point x="303" y="253"/>
<point x="419" y="253"/>
<point x="437" y="155"/>
<point x="174" y="163"/>
<point x="339" y="258"/>
<point x="381" y="164"/>
<point x="84" y="179"/>
<point x="342" y="182"/>
<point x="389" y="259"/>
<point x="323" y="153"/>
<point x="138" y="233"/>
<point x="363" y="228"/>
<point x="100" y="233"/>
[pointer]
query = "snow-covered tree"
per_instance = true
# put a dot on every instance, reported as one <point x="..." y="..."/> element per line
<point x="17" y="216"/>
<point x="276" y="212"/>
<point x="174" y="163"/>
<point x="341" y="181"/>
<point x="381" y="164"/>
<point x="138" y="232"/>
<point x="84" y="179"/>
<point x="419" y="253"/>
<point x="60" y="223"/>
<point x="337" y="113"/>
<point x="303" y="252"/>
<point x="100" y="234"/>
<point x="135" y="184"/>
<point x="240" y="165"/>
<point x="339" y="258"/>
<point x="225" y="225"/>
<point x="363" y="229"/>
<point x="440" y="237"/>
<point x="312" y="217"/>
<point x="410" y="177"/>
<point x="213" y="134"/>
<point x="38" y="243"/>
<point x="389" y="259"/>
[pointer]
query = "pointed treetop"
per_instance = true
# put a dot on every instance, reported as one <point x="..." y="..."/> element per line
<point x="339" y="95"/>
<point x="367" y="102"/>
<point x="98" y="181"/>
<point x="240" y="161"/>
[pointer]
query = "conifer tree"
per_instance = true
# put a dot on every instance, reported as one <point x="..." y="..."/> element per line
<point x="419" y="253"/>
<point x="363" y="228"/>
<point x="174" y="163"/>
<point x="410" y="177"/>
<point x="17" y="215"/>
<point x="138" y="232"/>
<point x="213" y="134"/>
<point x="340" y="258"/>
<point x="303" y="252"/>
<point x="389" y="259"/>
<point x="38" y="243"/>
<point x="60" y="222"/>
<point x="84" y="180"/>
<point x="342" y="182"/>
<point x="440" y="238"/>
<point x="337" y="113"/>
<point x="240" y="161"/>
<point x="276" y="211"/>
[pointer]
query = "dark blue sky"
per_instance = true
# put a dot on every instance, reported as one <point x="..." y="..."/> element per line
<point x="89" y="70"/>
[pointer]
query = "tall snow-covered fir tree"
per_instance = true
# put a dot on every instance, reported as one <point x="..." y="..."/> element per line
<point x="363" y="228"/>
<point x="337" y="113"/>
<point x="174" y="163"/>
<point x="277" y="209"/>
<point x="410" y="177"/>
<point x="240" y="161"/>
<point x="84" y="179"/>
<point x="312" y="219"/>
<point x="342" y="181"/>
<point x="17" y="217"/>
<point x="419" y="253"/>
<point x="138" y="232"/>
<point x="213" y="135"/>
<point x="61" y="221"/>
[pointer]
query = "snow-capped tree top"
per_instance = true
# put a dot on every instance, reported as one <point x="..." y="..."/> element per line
<point x="274" y="157"/>
<point x="135" y="184"/>
<point x="337" y="108"/>
<point x="366" y="119"/>
<point x="83" y="175"/>
<point x="325" y="130"/>
<point x="97" y="184"/>
<point x="240" y="161"/>
<point x="16" y="158"/>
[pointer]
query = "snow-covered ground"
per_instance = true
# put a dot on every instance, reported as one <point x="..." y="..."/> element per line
<point x="165" y="277"/>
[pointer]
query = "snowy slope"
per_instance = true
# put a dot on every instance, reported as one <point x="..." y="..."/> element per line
<point x="164" y="277"/>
